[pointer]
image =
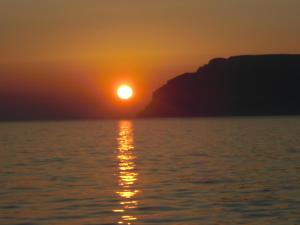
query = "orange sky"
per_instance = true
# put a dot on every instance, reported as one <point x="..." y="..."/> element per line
<point x="140" y="42"/>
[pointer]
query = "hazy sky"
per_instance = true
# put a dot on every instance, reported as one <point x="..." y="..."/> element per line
<point x="143" y="41"/>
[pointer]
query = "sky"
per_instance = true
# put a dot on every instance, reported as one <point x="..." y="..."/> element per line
<point x="50" y="47"/>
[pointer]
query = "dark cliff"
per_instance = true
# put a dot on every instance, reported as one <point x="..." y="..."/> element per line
<point x="239" y="85"/>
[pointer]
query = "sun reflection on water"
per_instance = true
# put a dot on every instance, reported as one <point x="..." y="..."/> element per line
<point x="127" y="176"/>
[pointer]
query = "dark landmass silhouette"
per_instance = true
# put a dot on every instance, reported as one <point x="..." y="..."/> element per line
<point x="238" y="85"/>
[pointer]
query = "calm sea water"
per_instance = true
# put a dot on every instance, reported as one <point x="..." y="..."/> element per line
<point x="157" y="171"/>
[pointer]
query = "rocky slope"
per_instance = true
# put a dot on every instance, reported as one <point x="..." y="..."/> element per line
<point x="238" y="85"/>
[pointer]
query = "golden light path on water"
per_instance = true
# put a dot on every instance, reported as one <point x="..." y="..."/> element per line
<point x="127" y="175"/>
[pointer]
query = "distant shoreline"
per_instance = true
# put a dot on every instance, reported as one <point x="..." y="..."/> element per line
<point x="148" y="118"/>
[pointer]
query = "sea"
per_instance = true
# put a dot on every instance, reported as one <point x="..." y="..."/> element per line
<point x="231" y="170"/>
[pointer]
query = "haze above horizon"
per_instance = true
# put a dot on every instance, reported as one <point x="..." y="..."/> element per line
<point x="143" y="43"/>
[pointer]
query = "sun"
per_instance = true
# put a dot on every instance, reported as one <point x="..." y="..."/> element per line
<point x="124" y="92"/>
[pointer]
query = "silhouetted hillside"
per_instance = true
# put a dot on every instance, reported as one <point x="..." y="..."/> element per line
<point x="239" y="85"/>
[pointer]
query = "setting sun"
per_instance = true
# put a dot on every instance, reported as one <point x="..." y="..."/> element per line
<point x="124" y="92"/>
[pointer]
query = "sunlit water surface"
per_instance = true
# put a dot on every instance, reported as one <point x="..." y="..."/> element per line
<point x="158" y="171"/>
